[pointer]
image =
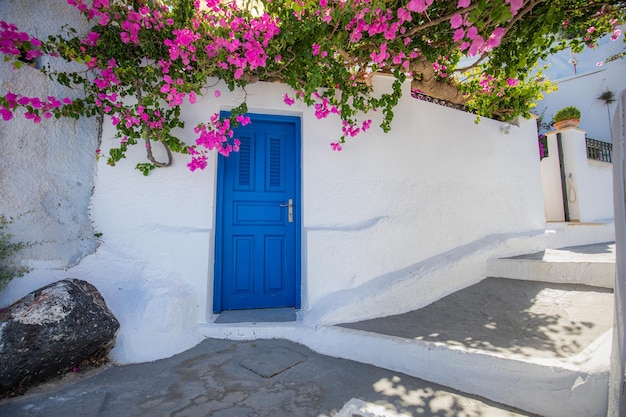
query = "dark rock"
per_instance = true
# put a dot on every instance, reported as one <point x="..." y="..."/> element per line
<point x="52" y="330"/>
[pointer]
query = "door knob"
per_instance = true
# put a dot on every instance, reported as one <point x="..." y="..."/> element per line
<point x="289" y="205"/>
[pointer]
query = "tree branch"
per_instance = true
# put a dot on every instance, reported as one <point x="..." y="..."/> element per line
<point x="144" y="133"/>
<point x="439" y="20"/>
<point x="151" y="157"/>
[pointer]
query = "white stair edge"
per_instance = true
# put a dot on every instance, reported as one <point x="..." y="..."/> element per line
<point x="598" y="274"/>
<point x="573" y="387"/>
<point x="563" y="234"/>
<point x="551" y="388"/>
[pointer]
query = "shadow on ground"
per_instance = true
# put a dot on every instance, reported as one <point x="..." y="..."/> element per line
<point x="533" y="319"/>
<point x="264" y="378"/>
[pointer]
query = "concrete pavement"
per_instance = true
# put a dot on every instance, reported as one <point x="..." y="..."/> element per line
<point x="263" y="378"/>
<point x="525" y="319"/>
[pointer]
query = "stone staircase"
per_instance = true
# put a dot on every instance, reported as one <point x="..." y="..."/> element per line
<point x="587" y="264"/>
<point x="535" y="336"/>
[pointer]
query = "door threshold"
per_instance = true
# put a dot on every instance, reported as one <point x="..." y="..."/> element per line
<point x="259" y="315"/>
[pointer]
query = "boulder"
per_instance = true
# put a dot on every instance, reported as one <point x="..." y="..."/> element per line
<point x="51" y="331"/>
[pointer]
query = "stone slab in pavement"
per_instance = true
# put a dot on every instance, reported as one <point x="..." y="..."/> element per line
<point x="214" y="379"/>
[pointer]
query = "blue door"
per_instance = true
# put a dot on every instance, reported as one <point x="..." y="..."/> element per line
<point x="257" y="240"/>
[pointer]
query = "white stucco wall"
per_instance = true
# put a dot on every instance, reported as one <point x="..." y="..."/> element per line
<point x="551" y="182"/>
<point x="46" y="169"/>
<point x="391" y="223"/>
<point x="373" y="213"/>
<point x="589" y="182"/>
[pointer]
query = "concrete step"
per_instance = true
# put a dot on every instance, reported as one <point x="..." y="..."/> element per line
<point x="540" y="347"/>
<point x="587" y="264"/>
<point x="541" y="343"/>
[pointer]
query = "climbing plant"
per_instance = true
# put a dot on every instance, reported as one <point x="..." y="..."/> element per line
<point x="143" y="59"/>
<point x="8" y="248"/>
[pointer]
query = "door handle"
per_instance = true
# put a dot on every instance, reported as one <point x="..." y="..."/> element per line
<point x="289" y="205"/>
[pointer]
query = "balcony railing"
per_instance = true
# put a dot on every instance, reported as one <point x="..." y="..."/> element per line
<point x="599" y="151"/>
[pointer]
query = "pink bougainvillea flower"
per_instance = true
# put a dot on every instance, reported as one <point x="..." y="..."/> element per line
<point x="495" y="39"/>
<point x="463" y="3"/>
<point x="476" y="46"/>
<point x="459" y="34"/>
<point x="192" y="97"/>
<point x="6" y="113"/>
<point x="512" y="82"/>
<point x="404" y="15"/>
<point x="456" y="21"/>
<point x="244" y="120"/>
<point x="288" y="100"/>
<point x="197" y="162"/>
<point x="217" y="94"/>
<point x="91" y="39"/>
<point x="336" y="146"/>
<point x="398" y="58"/>
<point x="419" y="6"/>
<point x="11" y="98"/>
<point x="515" y="5"/>
<point x="472" y="32"/>
<point x="616" y="34"/>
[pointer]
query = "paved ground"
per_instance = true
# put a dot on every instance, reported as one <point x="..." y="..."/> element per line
<point x="277" y="378"/>
<point x="508" y="316"/>
<point x="264" y="378"/>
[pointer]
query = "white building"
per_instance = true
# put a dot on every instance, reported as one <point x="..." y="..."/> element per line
<point x="390" y="224"/>
<point x="581" y="79"/>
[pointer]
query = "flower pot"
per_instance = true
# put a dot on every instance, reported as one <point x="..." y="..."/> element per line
<point x="566" y="123"/>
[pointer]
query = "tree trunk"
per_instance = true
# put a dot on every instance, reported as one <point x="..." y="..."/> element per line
<point x="425" y="80"/>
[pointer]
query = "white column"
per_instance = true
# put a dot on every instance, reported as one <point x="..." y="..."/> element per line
<point x="617" y="397"/>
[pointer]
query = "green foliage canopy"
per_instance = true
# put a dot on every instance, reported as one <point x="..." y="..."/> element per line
<point x="144" y="58"/>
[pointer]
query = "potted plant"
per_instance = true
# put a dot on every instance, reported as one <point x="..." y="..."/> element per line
<point x="566" y="117"/>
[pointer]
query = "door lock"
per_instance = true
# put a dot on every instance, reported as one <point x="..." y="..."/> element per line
<point x="289" y="205"/>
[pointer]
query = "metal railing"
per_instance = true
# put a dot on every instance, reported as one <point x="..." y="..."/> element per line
<point x="544" y="152"/>
<point x="599" y="151"/>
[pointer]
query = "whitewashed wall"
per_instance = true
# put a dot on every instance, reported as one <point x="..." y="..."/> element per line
<point x="439" y="187"/>
<point x="46" y="169"/>
<point x="393" y="222"/>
